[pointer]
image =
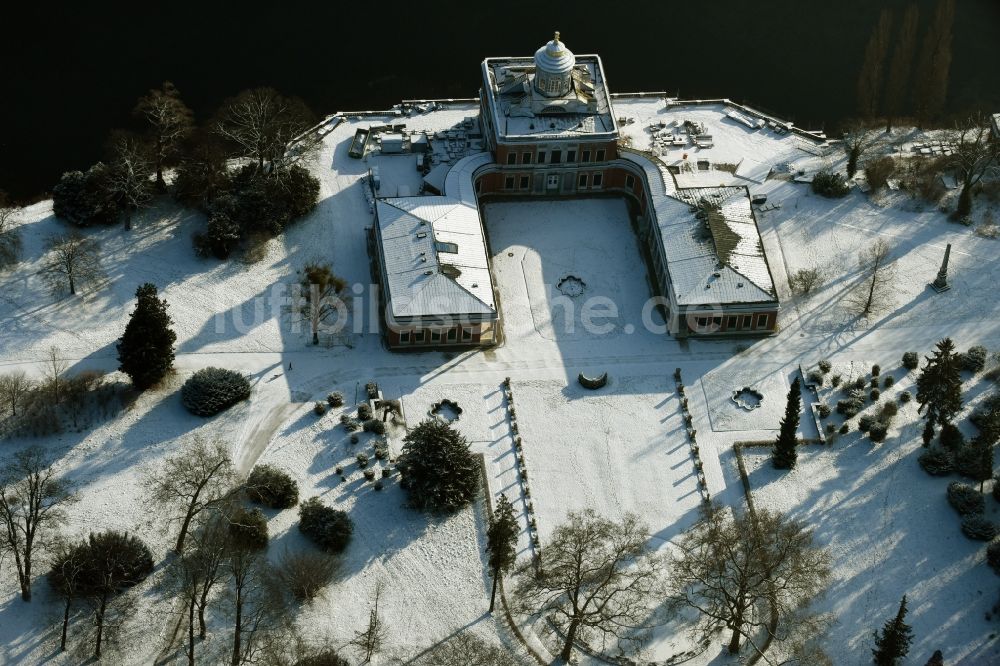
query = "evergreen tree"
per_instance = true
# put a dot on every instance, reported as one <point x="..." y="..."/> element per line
<point x="146" y="349"/>
<point x="783" y="455"/>
<point x="439" y="471"/>
<point x="982" y="468"/>
<point x="895" y="640"/>
<point x="501" y="540"/>
<point x="937" y="659"/>
<point x="939" y="386"/>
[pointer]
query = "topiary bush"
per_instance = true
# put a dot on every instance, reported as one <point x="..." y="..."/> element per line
<point x="888" y="381"/>
<point x="824" y="410"/>
<point x="212" y="390"/>
<point x="876" y="370"/>
<point x="936" y="462"/>
<point x="905" y="397"/>
<point x="849" y="408"/>
<point x="993" y="556"/>
<point x="830" y="185"/>
<point x="825" y="366"/>
<point x="859" y="383"/>
<point x="844" y="429"/>
<point x="369" y="475"/>
<point x="974" y="360"/>
<point x="865" y="423"/>
<point x="835" y="380"/>
<point x="911" y="361"/>
<point x="878" y="432"/>
<point x="815" y="378"/>
<point x="350" y="423"/>
<point x="978" y="528"/>
<point x="319" y="409"/>
<point x="328" y="528"/>
<point x="381" y="449"/>
<point x="364" y="412"/>
<point x="362" y="459"/>
<point x="875" y="394"/>
<point x="272" y="487"/>
<point x="335" y="399"/>
<point x="375" y="425"/>
<point x="951" y="437"/>
<point x="888" y="411"/>
<point x="248" y="529"/>
<point x="965" y="499"/>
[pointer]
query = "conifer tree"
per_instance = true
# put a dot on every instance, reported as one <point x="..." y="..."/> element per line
<point x="895" y="640"/>
<point x="783" y="456"/>
<point x="501" y="540"/>
<point x="439" y="471"/>
<point x="146" y="349"/>
<point x="939" y="386"/>
<point x="937" y="659"/>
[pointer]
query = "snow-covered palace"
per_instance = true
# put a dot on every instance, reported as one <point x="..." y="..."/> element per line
<point x="548" y="127"/>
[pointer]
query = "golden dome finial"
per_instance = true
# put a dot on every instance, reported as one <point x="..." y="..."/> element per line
<point x="557" y="36"/>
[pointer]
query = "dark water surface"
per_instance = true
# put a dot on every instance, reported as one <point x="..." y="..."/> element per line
<point x="71" y="73"/>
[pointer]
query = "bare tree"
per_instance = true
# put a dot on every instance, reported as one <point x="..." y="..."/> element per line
<point x="66" y="577"/>
<point x="32" y="502"/>
<point x="169" y="120"/>
<point x="859" y="138"/>
<point x="805" y="280"/>
<point x="873" y="66"/>
<point x="931" y="82"/>
<point x="260" y="123"/>
<point x="466" y="649"/>
<point x="255" y="603"/>
<point x="901" y="65"/>
<point x="74" y="260"/>
<point x="14" y="389"/>
<point x="596" y="576"/>
<point x="749" y="573"/>
<point x="319" y="299"/>
<point x="976" y="154"/>
<point x="53" y="369"/>
<point x="198" y="477"/>
<point x="195" y="574"/>
<point x="369" y="642"/>
<point x="10" y="240"/>
<point x="877" y="275"/>
<point x="305" y="572"/>
<point x="129" y="175"/>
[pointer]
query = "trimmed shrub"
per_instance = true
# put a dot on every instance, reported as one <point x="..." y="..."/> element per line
<point x="865" y="423"/>
<point x="974" y="360"/>
<point x="905" y="397"/>
<point x="875" y="395"/>
<point x="830" y="428"/>
<point x="978" y="528"/>
<point x="878" y="432"/>
<point x="876" y="370"/>
<point x="319" y="409"/>
<point x="830" y="185"/>
<point x="335" y="399"/>
<point x="272" y="487"/>
<point x="824" y="410"/>
<point x="815" y="377"/>
<point x="386" y="472"/>
<point x="888" y="411"/>
<point x="965" y="499"/>
<point x="911" y="361"/>
<point x="835" y="380"/>
<point x="888" y="381"/>
<point x="364" y="412"/>
<point x="951" y="437"/>
<point x="936" y="462"/>
<point x="967" y="461"/>
<point x="350" y="423"/>
<point x="369" y="475"/>
<point x="381" y="449"/>
<point x="371" y="390"/>
<point x="212" y="390"/>
<point x="354" y="438"/>
<point x="874" y="382"/>
<point x="825" y="366"/>
<point x="860" y="382"/>
<point x="375" y="425"/>
<point x="338" y="469"/>
<point x="248" y="529"/>
<point x="844" y="429"/>
<point x="993" y="556"/>
<point x="362" y="459"/>
<point x="328" y="528"/>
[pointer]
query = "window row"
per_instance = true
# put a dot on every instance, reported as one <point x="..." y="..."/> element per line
<point x="434" y="335"/>
<point x="584" y="181"/>
<point x="734" y="322"/>
<point x="556" y="157"/>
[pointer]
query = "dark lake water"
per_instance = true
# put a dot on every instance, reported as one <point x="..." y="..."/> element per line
<point x="72" y="73"/>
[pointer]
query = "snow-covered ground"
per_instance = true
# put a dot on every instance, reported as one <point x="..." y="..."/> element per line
<point x="622" y="448"/>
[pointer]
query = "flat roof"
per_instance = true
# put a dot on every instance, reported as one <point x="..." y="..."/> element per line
<point x="520" y="113"/>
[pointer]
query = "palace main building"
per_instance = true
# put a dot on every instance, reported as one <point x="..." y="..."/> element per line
<point x="549" y="129"/>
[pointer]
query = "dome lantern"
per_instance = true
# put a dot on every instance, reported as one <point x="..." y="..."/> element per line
<point x="554" y="68"/>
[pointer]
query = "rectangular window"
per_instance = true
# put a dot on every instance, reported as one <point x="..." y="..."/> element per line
<point x="541" y="157"/>
<point x="571" y="156"/>
<point x="418" y="336"/>
<point x="556" y="156"/>
<point x="702" y="322"/>
<point x="508" y="183"/>
<point x="629" y="181"/>
<point x="435" y="336"/>
<point x="717" y="322"/>
<point x="404" y="336"/>
<point x="746" y="321"/>
<point x="523" y="183"/>
<point x="600" y="155"/>
<point x="598" y="180"/>
<point x="583" y="181"/>
<point x="762" y="321"/>
<point x="466" y="334"/>
<point x="586" y="156"/>
<point x="525" y="158"/>
<point x="452" y="334"/>
<point x="511" y="158"/>
<point x="732" y="322"/>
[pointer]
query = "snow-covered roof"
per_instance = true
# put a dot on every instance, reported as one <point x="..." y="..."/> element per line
<point x="715" y="257"/>
<point x="434" y="251"/>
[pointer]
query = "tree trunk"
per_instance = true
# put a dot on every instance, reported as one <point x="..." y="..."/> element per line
<point x="179" y="546"/>
<point x="567" y="650"/>
<point x="852" y="162"/>
<point x="238" y="631"/>
<point x="202" y="604"/>
<point x="191" y="604"/>
<point x="888" y="125"/>
<point x="734" y="642"/>
<point x="965" y="200"/>
<point x="25" y="574"/>
<point x="65" y="625"/>
<point x="128" y="218"/>
<point x="72" y="284"/>
<point x="100" y="624"/>
<point x="493" y="595"/>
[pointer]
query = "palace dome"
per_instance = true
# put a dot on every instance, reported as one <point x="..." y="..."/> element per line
<point x="554" y="68"/>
